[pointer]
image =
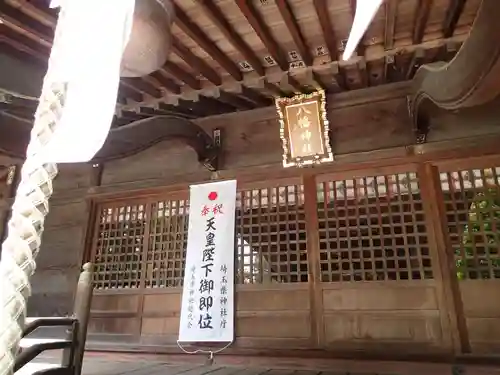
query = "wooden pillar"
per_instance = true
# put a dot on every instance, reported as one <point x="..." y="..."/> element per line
<point x="451" y="304"/>
<point x="91" y="213"/>
<point x="313" y="256"/>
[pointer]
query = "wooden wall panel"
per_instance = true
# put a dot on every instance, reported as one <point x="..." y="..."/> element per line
<point x="482" y="314"/>
<point x="277" y="317"/>
<point x="161" y="315"/>
<point x="115" y="317"/>
<point x="376" y="316"/>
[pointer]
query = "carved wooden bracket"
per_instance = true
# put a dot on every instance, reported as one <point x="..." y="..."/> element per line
<point x="471" y="78"/>
<point x="140" y="135"/>
<point x="129" y="139"/>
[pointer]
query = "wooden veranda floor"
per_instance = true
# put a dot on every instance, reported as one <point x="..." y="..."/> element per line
<point x="143" y="364"/>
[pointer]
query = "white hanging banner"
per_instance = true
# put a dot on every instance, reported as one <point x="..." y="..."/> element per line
<point x="207" y="311"/>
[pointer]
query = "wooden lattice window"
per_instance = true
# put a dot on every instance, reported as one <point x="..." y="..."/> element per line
<point x="119" y="244"/>
<point x="472" y="202"/>
<point x="167" y="243"/>
<point x="271" y="236"/>
<point x="372" y="228"/>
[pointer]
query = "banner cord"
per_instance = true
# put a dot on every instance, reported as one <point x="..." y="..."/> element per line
<point x="210" y="353"/>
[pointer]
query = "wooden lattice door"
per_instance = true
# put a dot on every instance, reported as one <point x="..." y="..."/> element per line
<point x="471" y="191"/>
<point x="378" y="264"/>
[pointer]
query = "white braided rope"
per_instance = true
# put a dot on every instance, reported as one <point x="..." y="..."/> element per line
<point x="30" y="206"/>
<point x="25" y="227"/>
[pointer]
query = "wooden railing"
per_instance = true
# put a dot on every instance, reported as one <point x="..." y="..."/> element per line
<point x="73" y="345"/>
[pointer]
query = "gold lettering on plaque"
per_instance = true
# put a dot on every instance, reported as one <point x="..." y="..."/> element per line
<point x="304" y="129"/>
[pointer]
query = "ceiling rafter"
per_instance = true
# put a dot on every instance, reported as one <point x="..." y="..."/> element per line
<point x="143" y="87"/>
<point x="194" y="32"/>
<point x="182" y="74"/>
<point x="361" y="48"/>
<point x="391" y="9"/>
<point x="297" y="36"/>
<point x="22" y="23"/>
<point x="130" y="91"/>
<point x="422" y="12"/>
<point x="294" y="29"/>
<point x="196" y="62"/>
<point x="208" y="72"/>
<point x="321" y="8"/>
<point x="213" y="12"/>
<point x="327" y="28"/>
<point x="24" y="44"/>
<point x="164" y="81"/>
<point x="263" y="32"/>
<point x="227" y="83"/>
<point x="203" y="105"/>
<point x="235" y="100"/>
<point x="360" y="51"/>
<point x="34" y="11"/>
<point x="453" y="14"/>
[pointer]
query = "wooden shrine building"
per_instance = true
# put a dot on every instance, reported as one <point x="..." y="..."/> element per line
<point x="389" y="251"/>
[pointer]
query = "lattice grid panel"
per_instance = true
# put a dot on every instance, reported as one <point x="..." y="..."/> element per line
<point x="119" y="246"/>
<point x="373" y="228"/>
<point x="271" y="236"/>
<point x="167" y="243"/>
<point x="472" y="202"/>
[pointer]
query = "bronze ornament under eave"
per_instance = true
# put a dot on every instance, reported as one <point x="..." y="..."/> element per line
<point x="304" y="129"/>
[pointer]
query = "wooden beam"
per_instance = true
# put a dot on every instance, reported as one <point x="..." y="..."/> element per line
<point x="337" y="69"/>
<point x="210" y="102"/>
<point x="422" y="12"/>
<point x="34" y="11"/>
<point x="235" y="101"/>
<point x="196" y="62"/>
<point x="263" y="32"/>
<point x="165" y="82"/>
<point x="298" y="38"/>
<point x="213" y="12"/>
<point x="294" y="29"/>
<point x="360" y="49"/>
<point x="23" y="24"/>
<point x="274" y="90"/>
<point x="327" y="28"/>
<point x="256" y="97"/>
<point x="24" y="44"/>
<point x="167" y="109"/>
<point x="453" y="14"/>
<point x="391" y="9"/>
<point x="203" y="107"/>
<point x="130" y="91"/>
<point x="182" y="74"/>
<point x="20" y="18"/>
<point x="195" y="33"/>
<point x="142" y="87"/>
